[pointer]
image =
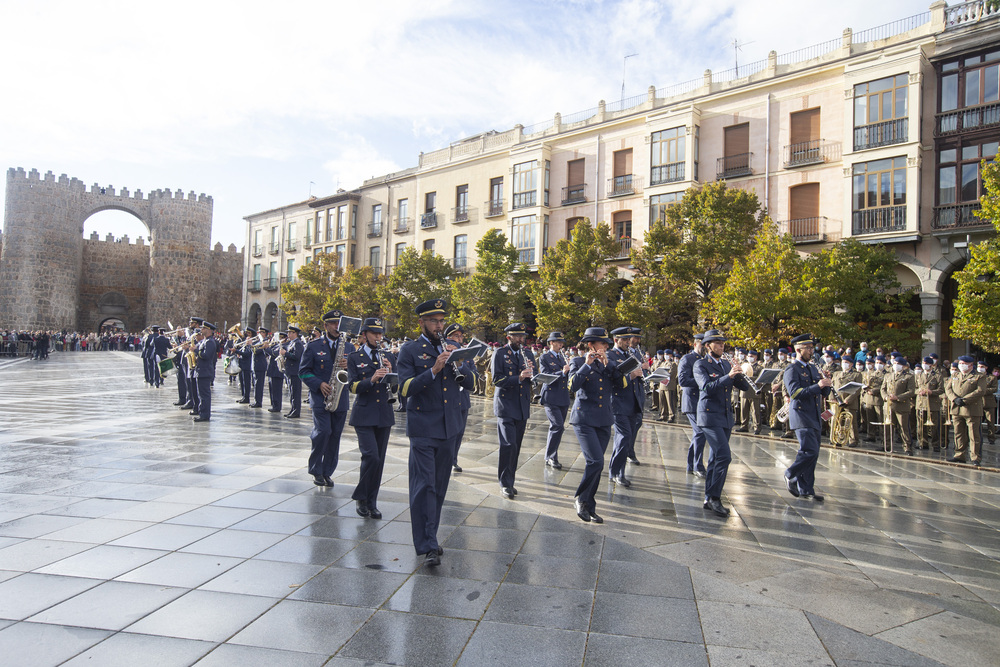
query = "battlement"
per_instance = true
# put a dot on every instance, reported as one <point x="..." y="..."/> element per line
<point x="15" y="175"/>
<point x="231" y="250"/>
<point x="110" y="238"/>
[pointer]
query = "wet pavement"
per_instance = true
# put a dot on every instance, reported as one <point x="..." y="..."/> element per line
<point x="130" y="534"/>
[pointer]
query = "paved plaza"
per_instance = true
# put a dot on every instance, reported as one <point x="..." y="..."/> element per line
<point x="130" y="535"/>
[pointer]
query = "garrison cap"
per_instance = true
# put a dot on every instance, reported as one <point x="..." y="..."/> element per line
<point x="333" y="316"/>
<point x="373" y="324"/>
<point x="452" y="328"/>
<point x="432" y="307"/>
<point x="556" y="336"/>
<point x="515" y="329"/>
<point x="803" y="339"/>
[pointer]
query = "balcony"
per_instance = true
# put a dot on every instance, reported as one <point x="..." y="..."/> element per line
<point x="291" y="245"/>
<point x="376" y="269"/>
<point x="286" y="280"/>
<point x="969" y="118"/>
<point x="270" y="284"/>
<point x="958" y="216"/>
<point x="624" y="247"/>
<point x="624" y="185"/>
<point x="886" y="133"/>
<point x="878" y="220"/>
<point x="574" y="194"/>
<point x="403" y="226"/>
<point x="275" y="247"/>
<point x="308" y="242"/>
<point x="493" y="208"/>
<point x="810" y="152"/>
<point x="253" y="285"/>
<point x="429" y="220"/>
<point x="806" y="230"/>
<point x="524" y="199"/>
<point x="374" y="230"/>
<point x="389" y="268"/>
<point x="733" y="166"/>
<point x="460" y="264"/>
<point x="526" y="256"/>
<point x="666" y="173"/>
<point x="460" y="214"/>
<point x="258" y="250"/>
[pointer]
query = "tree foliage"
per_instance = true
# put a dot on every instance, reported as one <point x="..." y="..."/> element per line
<point x="415" y="279"/>
<point x="977" y="308"/>
<point x="321" y="286"/>
<point x="576" y="287"/>
<point x="493" y="296"/>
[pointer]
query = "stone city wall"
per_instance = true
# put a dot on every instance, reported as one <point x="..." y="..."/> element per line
<point x="113" y="282"/>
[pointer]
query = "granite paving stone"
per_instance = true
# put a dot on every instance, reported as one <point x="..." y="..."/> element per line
<point x="125" y="649"/>
<point x="226" y="655"/>
<point x="42" y="645"/>
<point x="109" y="606"/>
<point x="311" y="627"/>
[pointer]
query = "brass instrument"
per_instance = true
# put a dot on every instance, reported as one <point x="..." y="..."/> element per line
<point x="841" y="426"/>
<point x="782" y="415"/>
<point x="236" y="329"/>
<point x="339" y="378"/>
<point x="459" y="376"/>
<point x="192" y="356"/>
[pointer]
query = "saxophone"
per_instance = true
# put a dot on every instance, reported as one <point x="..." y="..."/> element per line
<point x="338" y="380"/>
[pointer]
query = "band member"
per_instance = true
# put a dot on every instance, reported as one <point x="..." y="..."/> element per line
<point x="716" y="379"/>
<point x="513" y="368"/>
<point x="965" y="391"/>
<point x="634" y="349"/>
<point x="989" y="401"/>
<point x="432" y="424"/>
<point x="930" y="388"/>
<point x="292" y="352"/>
<point x="194" y="323"/>
<point x="807" y="389"/>
<point x="147" y="356"/>
<point x="160" y="348"/>
<point x="275" y="378"/>
<point x="455" y="338"/>
<point x="626" y="406"/>
<point x="555" y="396"/>
<point x="207" y="355"/>
<point x="244" y="356"/>
<point x="852" y="400"/>
<point x="591" y="378"/>
<point x="749" y="400"/>
<point x="259" y="367"/>
<point x="180" y="365"/>
<point x="689" y="407"/>
<point x="898" y="389"/>
<point x="372" y="416"/>
<point x="318" y="371"/>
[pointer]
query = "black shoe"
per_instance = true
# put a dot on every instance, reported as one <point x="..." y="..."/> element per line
<point x="717" y="507"/>
<point x="507" y="492"/>
<point x="187" y="406"/>
<point x="374" y="513"/>
<point x="620" y="479"/>
<point x="756" y="431"/>
<point x="194" y="413"/>
<point x="400" y="410"/>
<point x="582" y="511"/>
<point x="792" y="487"/>
<point x="595" y="518"/>
<point x="742" y="429"/>
<point x="432" y="559"/>
<point x="634" y="461"/>
<point x="328" y="480"/>
<point x="956" y="459"/>
<point x="696" y="473"/>
<point x="318" y="480"/>
<point x="274" y="409"/>
<point x="513" y="490"/>
<point x="440" y="551"/>
<point x="201" y="419"/>
<point x="178" y="403"/>
<point x="292" y="415"/>
<point x="553" y="463"/>
<point x="242" y="401"/>
<point x="362" y="508"/>
<point x="977" y="463"/>
<point x="787" y="435"/>
<point x="456" y="468"/>
<point x="255" y="405"/>
<point x="813" y="496"/>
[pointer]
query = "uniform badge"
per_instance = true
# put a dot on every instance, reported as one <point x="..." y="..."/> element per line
<point x="424" y="357"/>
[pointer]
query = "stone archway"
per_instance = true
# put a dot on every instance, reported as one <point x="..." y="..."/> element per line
<point x="271" y="317"/>
<point x="254" y="316"/>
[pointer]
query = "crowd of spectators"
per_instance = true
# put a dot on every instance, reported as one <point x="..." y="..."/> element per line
<point x="38" y="344"/>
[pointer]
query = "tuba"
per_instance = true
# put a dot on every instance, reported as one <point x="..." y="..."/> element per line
<point x="842" y="425"/>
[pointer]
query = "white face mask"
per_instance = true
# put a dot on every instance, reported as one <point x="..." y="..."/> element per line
<point x="926" y="367"/>
<point x="897" y="367"/>
<point x="827" y="360"/>
<point x="847" y="367"/>
<point x="879" y="367"/>
<point x="965" y="368"/>
<point x="782" y="357"/>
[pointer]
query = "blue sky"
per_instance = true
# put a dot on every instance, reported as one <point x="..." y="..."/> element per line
<point x="251" y="101"/>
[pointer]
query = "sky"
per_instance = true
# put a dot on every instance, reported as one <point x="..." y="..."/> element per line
<point x="263" y="104"/>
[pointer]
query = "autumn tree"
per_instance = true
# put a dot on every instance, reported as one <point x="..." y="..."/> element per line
<point x="577" y="287"/>
<point x="493" y="296"/>
<point x="415" y="279"/>
<point x="977" y="308"/>
<point x="305" y="299"/>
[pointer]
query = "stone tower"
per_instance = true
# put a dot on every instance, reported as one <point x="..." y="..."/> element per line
<point x="41" y="261"/>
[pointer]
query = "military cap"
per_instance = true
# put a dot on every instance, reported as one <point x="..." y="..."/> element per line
<point x="283" y="334"/>
<point x="209" y="325"/>
<point x="699" y="336"/>
<point x="621" y="332"/>
<point x="966" y="359"/>
<point x="934" y="356"/>
<point x="635" y="331"/>
<point x="452" y="328"/>
<point x="555" y="336"/>
<point x="754" y="353"/>
<point x="516" y="329"/>
<point x="373" y="324"/>
<point x="954" y="365"/>
<point x="659" y="352"/>
<point x="432" y="307"/>
<point x="782" y="350"/>
<point x="332" y="316"/>
<point x="714" y="336"/>
<point x="199" y="320"/>
<point x="768" y="351"/>
<point x="803" y="339"/>
<point x="595" y="335"/>
<point x="928" y="360"/>
<point x="263" y="330"/>
<point x="250" y="330"/>
<point x="295" y="328"/>
<point x="903" y="361"/>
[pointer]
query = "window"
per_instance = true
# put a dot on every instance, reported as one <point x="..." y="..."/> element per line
<point x="462" y="203"/>
<point x="960" y="183"/>
<point x="736" y="156"/>
<point x="400" y="247"/>
<point x="658" y="205"/>
<point x="375" y="258"/>
<point x="525" y="185"/>
<point x="341" y="255"/>
<point x="697" y="142"/>
<point x="274" y="234"/>
<point x="342" y="222"/>
<point x="576" y="188"/>
<point x="308" y="260"/>
<point x="354" y="222"/>
<point x="329" y="224"/>
<point x="804" y="138"/>
<point x="258" y="250"/>
<point x="292" y="233"/>
<point x="353" y="254"/>
<point x="880" y="112"/>
<point x="803" y="212"/>
<point x="318" y="228"/>
<point x="290" y="270"/>
<point x="404" y="213"/>
<point x="256" y="274"/>
<point x="879" y="196"/>
<point x="621" y="183"/>
<point x="971" y="84"/>
<point x="376" y="229"/>
<point x="317" y="252"/>
<point x="495" y="207"/>
<point x="275" y="244"/>
<point x="622" y="225"/>
<point x="461" y="251"/>
<point x="667" y="156"/>
<point x="429" y="218"/>
<point x="429" y="245"/>
<point x="571" y="224"/>
<point x="272" y="276"/>
<point x="524" y="234"/>
<point x="548" y="178"/>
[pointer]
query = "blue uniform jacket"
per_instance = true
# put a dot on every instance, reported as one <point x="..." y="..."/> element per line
<point x="512" y="395"/>
<point x="260" y="362"/>
<point x="147" y="347"/>
<point x="685" y="378"/>
<point x="296" y="349"/>
<point x="555" y="393"/>
<point x="317" y="368"/>
<point x="245" y="358"/>
<point x="468" y="368"/>
<point x="371" y="403"/>
<point x="593" y="386"/>
<point x="272" y="361"/>
<point x="807" y="398"/>
<point x="628" y="391"/>
<point x="207" y="355"/>
<point x="160" y="347"/>
<point x="715" y="405"/>
<point x="433" y="409"/>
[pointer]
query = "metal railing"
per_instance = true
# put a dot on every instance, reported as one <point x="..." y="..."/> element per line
<point x="258" y="250"/>
<point x="275" y="247"/>
<point x="624" y="247"/>
<point x="977" y="117"/>
<point x="374" y="229"/>
<point x="308" y="242"/>
<point x="887" y="30"/>
<point x="494" y="208"/>
<point x="957" y="215"/>
<point x="460" y="264"/>
<point x="574" y="194"/>
<point x="810" y="52"/>
<point x="429" y="220"/>
<point x="805" y="230"/>
<point x="805" y="153"/>
<point x="885" y="133"/>
<point x="287" y="280"/>
<point x="253" y="285"/>
<point x="402" y="226"/>
<point x="291" y="245"/>
<point x="626" y="184"/>
<point x="878" y="220"/>
<point x="460" y="214"/>
<point x="666" y="173"/>
<point x="733" y="166"/>
<point x="270" y="284"/>
<point x="524" y="199"/>
<point x="526" y="256"/>
<point x="389" y="269"/>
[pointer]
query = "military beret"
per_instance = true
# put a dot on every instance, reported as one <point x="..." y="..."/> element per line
<point x="782" y="350"/>
<point x="934" y="356"/>
<point x="516" y="329"/>
<point x="803" y="339"/>
<point x="768" y="351"/>
<point x="333" y="316"/>
<point x="880" y="358"/>
<point x="754" y="353"/>
<point x="658" y="352"/>
<point x="901" y="360"/>
<point x="431" y="307"/>
<point x="966" y="359"/>
<point x="928" y="360"/>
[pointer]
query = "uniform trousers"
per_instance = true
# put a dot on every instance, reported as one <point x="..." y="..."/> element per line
<point x="204" y="397"/>
<point x="155" y="370"/>
<point x="429" y="468"/>
<point x="719" y="457"/>
<point x="636" y="425"/>
<point x="193" y="393"/>
<point x="593" y="444"/>
<point x="372" y="442"/>
<point x="146" y="371"/>
<point x="803" y="469"/>
<point x="929" y="435"/>
<point x="245" y="384"/>
<point x="295" y="394"/>
<point x="901" y="425"/>
<point x="182" y="389"/>
<point x="665" y="407"/>
<point x="458" y="438"/>
<point x="967" y="432"/>
<point x="671" y="404"/>
<point x="258" y="388"/>
<point x="325" y="436"/>
<point x="557" y="421"/>
<point x="696" y="450"/>
<point x="511" y="433"/>
<point x="656" y="399"/>
<point x="625" y="429"/>
<point x="275" y="388"/>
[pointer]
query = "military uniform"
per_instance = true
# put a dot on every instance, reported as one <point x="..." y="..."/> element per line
<point x="671" y="390"/>
<point x="872" y="402"/>
<point x="511" y="405"/>
<point x="160" y="348"/>
<point x="749" y="401"/>
<point x="260" y="363"/>
<point x="294" y="349"/>
<point x="930" y="388"/>
<point x="990" y="405"/>
<point x="627" y="409"/>
<point x="965" y="392"/>
<point x="903" y="385"/>
<point x="467" y="368"/>
<point x="804" y="417"/>
<point x="689" y="407"/>
<point x="244" y="357"/>
<point x="275" y="378"/>
<point x="779" y="396"/>
<point x="207" y="356"/>
<point x="555" y="399"/>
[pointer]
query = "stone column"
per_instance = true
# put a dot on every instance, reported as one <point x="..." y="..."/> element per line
<point x="930" y="307"/>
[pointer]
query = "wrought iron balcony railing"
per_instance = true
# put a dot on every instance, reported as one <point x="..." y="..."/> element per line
<point x="270" y="284"/>
<point x="878" y="220"/>
<point x="574" y="194"/>
<point x="806" y="230"/>
<point x="957" y="216"/>
<point x="524" y="199"/>
<point x="626" y="184"/>
<point x="258" y="250"/>
<point x="253" y="285"/>
<point x="403" y="226"/>
<point x="666" y="173"/>
<point x="734" y="166"/>
<point x="625" y="245"/>
<point x="494" y="208"/>
<point x="275" y="247"/>
<point x="429" y="220"/>
<point x="806" y="153"/>
<point x="308" y="242"/>
<point x="374" y="229"/>
<point x="460" y="214"/>
<point x="291" y="245"/>
<point x="969" y="118"/>
<point x="886" y="133"/>
<point x="460" y="264"/>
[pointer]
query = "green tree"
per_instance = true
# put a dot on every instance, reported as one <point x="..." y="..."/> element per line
<point x="977" y="308"/>
<point x="492" y="297"/>
<point x="576" y="287"/>
<point x="415" y="279"/>
<point x="763" y="300"/>
<point x="357" y="292"/>
<point x="304" y="301"/>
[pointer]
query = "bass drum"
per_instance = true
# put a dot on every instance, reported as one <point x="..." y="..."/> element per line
<point x="231" y="365"/>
